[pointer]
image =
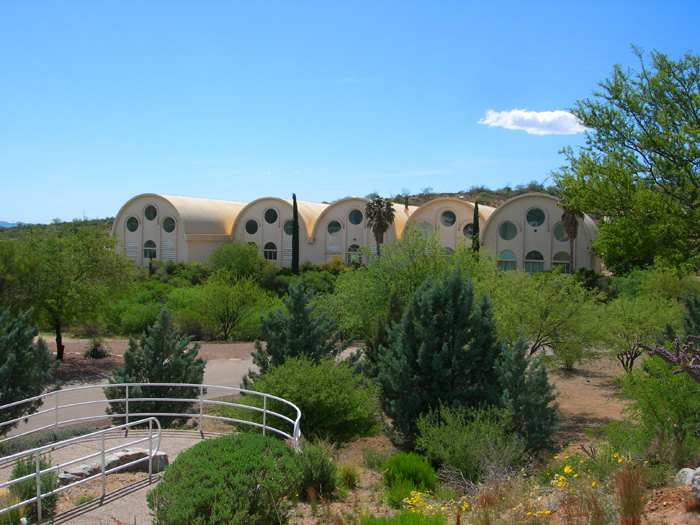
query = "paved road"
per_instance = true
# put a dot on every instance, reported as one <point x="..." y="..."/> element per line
<point x="219" y="372"/>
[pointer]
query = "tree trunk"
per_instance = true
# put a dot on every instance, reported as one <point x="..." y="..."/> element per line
<point x="572" y="268"/>
<point x="59" y="340"/>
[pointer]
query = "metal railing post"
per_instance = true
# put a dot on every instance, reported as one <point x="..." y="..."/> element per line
<point x="104" y="465"/>
<point x="55" y="423"/>
<point x="201" y="410"/>
<point x="150" y="450"/>
<point x="126" y="429"/>
<point x="264" y="413"/>
<point x="38" y="485"/>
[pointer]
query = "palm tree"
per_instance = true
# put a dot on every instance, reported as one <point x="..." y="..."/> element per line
<point x="570" y="217"/>
<point x="380" y="216"/>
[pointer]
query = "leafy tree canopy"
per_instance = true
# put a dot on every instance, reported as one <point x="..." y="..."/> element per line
<point x="640" y="167"/>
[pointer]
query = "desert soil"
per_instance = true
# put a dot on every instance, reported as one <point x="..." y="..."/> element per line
<point x="586" y="401"/>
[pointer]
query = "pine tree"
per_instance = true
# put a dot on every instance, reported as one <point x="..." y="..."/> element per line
<point x="296" y="332"/>
<point x="528" y="393"/>
<point x="25" y="366"/>
<point x="379" y="337"/>
<point x="161" y="356"/>
<point x="442" y="353"/>
<point x="691" y="316"/>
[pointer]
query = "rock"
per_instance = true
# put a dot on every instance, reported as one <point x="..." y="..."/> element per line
<point x="127" y="455"/>
<point x="683" y="477"/>
<point x="695" y="486"/>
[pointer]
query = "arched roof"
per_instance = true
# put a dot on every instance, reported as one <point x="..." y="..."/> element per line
<point x="198" y="216"/>
<point x="588" y="224"/>
<point x="401" y="213"/>
<point x="309" y="212"/>
<point x="484" y="211"/>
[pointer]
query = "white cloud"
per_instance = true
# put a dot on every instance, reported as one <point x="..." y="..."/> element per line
<point x="535" y="122"/>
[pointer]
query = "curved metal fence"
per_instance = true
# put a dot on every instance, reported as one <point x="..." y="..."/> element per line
<point x="52" y="417"/>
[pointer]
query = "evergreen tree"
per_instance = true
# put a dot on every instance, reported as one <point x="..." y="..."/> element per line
<point x="295" y="235"/>
<point x="379" y="337"/>
<point x="296" y="332"/>
<point x="476" y="230"/>
<point x="443" y="352"/>
<point x="161" y="356"/>
<point x="528" y="393"/>
<point x="25" y="366"/>
<point x="691" y="316"/>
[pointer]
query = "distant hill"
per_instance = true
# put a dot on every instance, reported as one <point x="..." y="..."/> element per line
<point x="4" y="224"/>
<point x="8" y="232"/>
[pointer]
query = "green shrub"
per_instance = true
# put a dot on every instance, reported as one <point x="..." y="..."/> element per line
<point x="411" y="467"/>
<point x="335" y="404"/>
<point x="405" y="518"/>
<point x="96" y="348"/>
<point x="235" y="479"/>
<point x="317" y="470"/>
<point x="663" y="425"/>
<point x="399" y="490"/>
<point x="26" y="489"/>
<point x="478" y="442"/>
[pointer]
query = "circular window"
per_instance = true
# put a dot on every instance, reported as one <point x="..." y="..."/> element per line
<point x="507" y="231"/>
<point x="426" y="229"/>
<point x="288" y="227"/>
<point x="132" y="224"/>
<point x="535" y="217"/>
<point x="151" y="212"/>
<point x="334" y="228"/>
<point x="560" y="233"/>
<point x="448" y="218"/>
<point x="251" y="226"/>
<point x="271" y="216"/>
<point x="468" y="231"/>
<point x="169" y="224"/>
<point x="355" y="217"/>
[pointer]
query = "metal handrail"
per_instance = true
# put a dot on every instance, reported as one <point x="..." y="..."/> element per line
<point x="295" y="436"/>
<point x="38" y="472"/>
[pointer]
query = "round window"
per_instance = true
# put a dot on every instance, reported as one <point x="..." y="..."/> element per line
<point x="507" y="231"/>
<point x="448" y="218"/>
<point x="560" y="233"/>
<point x="151" y="212"/>
<point x="132" y="224"/>
<point x="468" y="230"/>
<point x="288" y="227"/>
<point x="535" y="217"/>
<point x="169" y="224"/>
<point x="355" y="217"/>
<point x="251" y="226"/>
<point x="271" y="216"/>
<point x="334" y="228"/>
<point x="426" y="229"/>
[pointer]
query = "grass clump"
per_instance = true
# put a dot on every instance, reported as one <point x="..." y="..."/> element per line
<point x="25" y="490"/>
<point x="318" y="472"/>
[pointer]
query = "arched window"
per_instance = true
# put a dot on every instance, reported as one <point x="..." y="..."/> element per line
<point x="149" y="250"/>
<point x="270" y="251"/>
<point x="507" y="230"/>
<point x="534" y="262"/>
<point x="507" y="260"/>
<point x="562" y="259"/>
<point x="352" y="255"/>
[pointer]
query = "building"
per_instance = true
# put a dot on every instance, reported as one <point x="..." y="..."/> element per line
<point x="525" y="232"/>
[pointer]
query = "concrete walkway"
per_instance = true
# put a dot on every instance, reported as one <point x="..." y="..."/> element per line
<point x="127" y="504"/>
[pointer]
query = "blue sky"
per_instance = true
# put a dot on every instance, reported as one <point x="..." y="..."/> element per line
<point x="101" y="101"/>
